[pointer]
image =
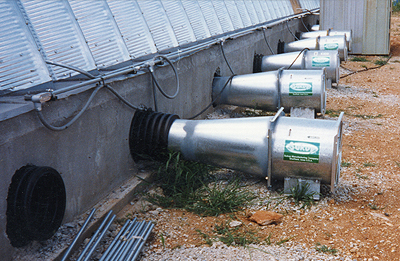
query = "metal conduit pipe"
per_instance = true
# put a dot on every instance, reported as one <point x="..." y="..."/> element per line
<point x="337" y="42"/>
<point x="272" y="90"/>
<point x="329" y="32"/>
<point x="308" y="60"/>
<point x="115" y="243"/>
<point x="269" y="147"/>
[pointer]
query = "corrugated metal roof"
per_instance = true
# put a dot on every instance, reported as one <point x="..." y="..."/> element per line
<point x="133" y="27"/>
<point x="95" y="34"/>
<point x="59" y="35"/>
<point x="21" y="65"/>
<point x="196" y="19"/>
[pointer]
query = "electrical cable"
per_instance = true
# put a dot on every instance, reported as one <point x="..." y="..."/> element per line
<point x="216" y="97"/>
<point x="297" y="57"/>
<point x="265" y="38"/>
<point x="365" y="69"/>
<point x="287" y="25"/>
<point x="151" y="69"/>
<point x="301" y="18"/>
<point x="72" y="68"/>
<point x="226" y="60"/>
<point x="38" y="108"/>
<point x="120" y="97"/>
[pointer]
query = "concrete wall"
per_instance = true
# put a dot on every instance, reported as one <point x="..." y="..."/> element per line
<point x="93" y="154"/>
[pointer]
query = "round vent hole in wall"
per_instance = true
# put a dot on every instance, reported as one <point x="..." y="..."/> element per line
<point x="35" y="204"/>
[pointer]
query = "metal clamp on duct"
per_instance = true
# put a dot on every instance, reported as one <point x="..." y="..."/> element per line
<point x="305" y="60"/>
<point x="329" y="32"/>
<point x="337" y="42"/>
<point x="269" y="147"/>
<point x="272" y="90"/>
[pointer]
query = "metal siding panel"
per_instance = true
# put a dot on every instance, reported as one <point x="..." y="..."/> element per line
<point x="179" y="21"/>
<point x="276" y="9"/>
<point x="21" y="65"/>
<point x="234" y="14"/>
<point x="196" y="19"/>
<point x="376" y="27"/>
<point x="223" y="16"/>
<point x="284" y="7"/>
<point x="266" y="11"/>
<point x="244" y="14"/>
<point x="344" y="18"/>
<point x="133" y="27"/>
<point x="160" y="28"/>
<point x="211" y="17"/>
<point x="271" y="10"/>
<point x="254" y="16"/>
<point x="100" y="31"/>
<point x="59" y="35"/>
<point x="259" y="11"/>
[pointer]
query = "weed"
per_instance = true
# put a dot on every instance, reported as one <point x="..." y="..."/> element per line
<point x="375" y="95"/>
<point x="363" y="116"/>
<point x="345" y="164"/>
<point x="268" y="239"/>
<point x="368" y="164"/>
<point x="179" y="180"/>
<point x="397" y="163"/>
<point x="185" y="185"/>
<point x="162" y="240"/>
<point x="324" y="249"/>
<point x="358" y="169"/>
<point x="359" y="59"/>
<point x="301" y="193"/>
<point x="380" y="62"/>
<point x="283" y="241"/>
<point x="238" y="235"/>
<point x="361" y="176"/>
<point x="373" y="207"/>
<point x="332" y="113"/>
<point x="218" y="199"/>
<point x="206" y="237"/>
<point x="363" y="66"/>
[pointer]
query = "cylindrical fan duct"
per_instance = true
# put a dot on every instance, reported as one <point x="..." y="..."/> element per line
<point x="273" y="90"/>
<point x="315" y="27"/>
<point x="320" y="43"/>
<point x="270" y="147"/>
<point x="306" y="60"/>
<point x="329" y="32"/>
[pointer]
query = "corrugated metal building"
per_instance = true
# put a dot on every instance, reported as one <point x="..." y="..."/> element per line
<point x="369" y="21"/>
<point x="49" y="46"/>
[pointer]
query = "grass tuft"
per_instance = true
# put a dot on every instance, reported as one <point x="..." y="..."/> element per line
<point x="359" y="59"/>
<point x="324" y="249"/>
<point x="235" y="236"/>
<point x="302" y="193"/>
<point x="187" y="185"/>
<point x="380" y="62"/>
<point x="345" y="164"/>
<point x="218" y="199"/>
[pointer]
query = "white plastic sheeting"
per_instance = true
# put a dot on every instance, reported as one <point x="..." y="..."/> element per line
<point x="95" y="34"/>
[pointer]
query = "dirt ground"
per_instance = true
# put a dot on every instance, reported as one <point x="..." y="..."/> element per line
<point x="367" y="227"/>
